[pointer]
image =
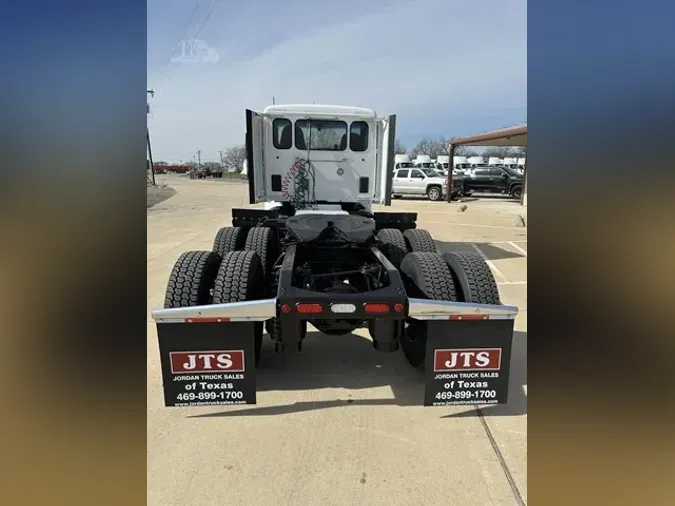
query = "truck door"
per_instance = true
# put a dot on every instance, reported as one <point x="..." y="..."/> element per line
<point x="480" y="179"/>
<point x="417" y="182"/>
<point x="255" y="156"/>
<point x="386" y="134"/>
<point x="499" y="180"/>
<point x="401" y="181"/>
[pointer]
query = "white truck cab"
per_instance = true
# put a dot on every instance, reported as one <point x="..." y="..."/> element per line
<point x="477" y="161"/>
<point x="460" y="164"/>
<point x="443" y="163"/>
<point x="402" y="161"/>
<point x="319" y="156"/>
<point x="424" y="162"/>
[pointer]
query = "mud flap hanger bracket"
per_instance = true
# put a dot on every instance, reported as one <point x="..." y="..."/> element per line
<point x="261" y="310"/>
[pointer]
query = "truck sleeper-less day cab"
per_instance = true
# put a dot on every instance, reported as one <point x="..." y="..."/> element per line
<point x="320" y="255"/>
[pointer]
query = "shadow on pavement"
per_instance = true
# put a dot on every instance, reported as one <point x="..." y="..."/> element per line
<point x="490" y="196"/>
<point x="350" y="362"/>
<point x="517" y="402"/>
<point x="491" y="251"/>
<point x="158" y="194"/>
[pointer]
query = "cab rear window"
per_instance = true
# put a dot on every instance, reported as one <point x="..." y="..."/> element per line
<point x="321" y="135"/>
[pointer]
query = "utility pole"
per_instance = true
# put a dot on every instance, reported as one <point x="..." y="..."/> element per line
<point x="199" y="158"/>
<point x="152" y="166"/>
<point x="273" y="100"/>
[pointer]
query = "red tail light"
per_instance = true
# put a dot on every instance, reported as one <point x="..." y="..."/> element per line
<point x="469" y="317"/>
<point x="376" y="308"/>
<point x="308" y="308"/>
<point x="399" y="308"/>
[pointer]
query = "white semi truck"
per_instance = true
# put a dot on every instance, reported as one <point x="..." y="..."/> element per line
<point x="402" y="161"/>
<point x="424" y="162"/>
<point x="323" y="256"/>
<point x="443" y="163"/>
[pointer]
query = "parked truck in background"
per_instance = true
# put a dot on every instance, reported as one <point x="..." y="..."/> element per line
<point x="477" y="161"/>
<point x="443" y="163"/>
<point x="424" y="162"/>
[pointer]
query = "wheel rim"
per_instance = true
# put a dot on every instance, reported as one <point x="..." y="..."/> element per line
<point x="433" y="194"/>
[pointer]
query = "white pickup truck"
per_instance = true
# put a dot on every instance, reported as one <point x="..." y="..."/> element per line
<point x="419" y="181"/>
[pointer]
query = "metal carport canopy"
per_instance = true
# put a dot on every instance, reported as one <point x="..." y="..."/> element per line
<point x="515" y="135"/>
<point x="510" y="136"/>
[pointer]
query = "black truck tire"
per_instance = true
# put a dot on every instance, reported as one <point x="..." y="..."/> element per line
<point x="394" y="245"/>
<point x="473" y="278"/>
<point x="427" y="277"/>
<point x="191" y="279"/>
<point x="516" y="191"/>
<point x="419" y="240"/>
<point x="240" y="277"/>
<point x="262" y="240"/>
<point x="229" y="239"/>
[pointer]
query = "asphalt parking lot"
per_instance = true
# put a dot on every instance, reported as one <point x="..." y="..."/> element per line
<point x="338" y="424"/>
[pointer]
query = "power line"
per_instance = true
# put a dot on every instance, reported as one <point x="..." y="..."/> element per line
<point x="208" y="16"/>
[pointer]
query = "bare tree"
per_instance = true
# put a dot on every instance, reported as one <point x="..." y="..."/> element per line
<point x="233" y="158"/>
<point x="520" y="151"/>
<point x="399" y="148"/>
<point x="430" y="147"/>
<point x="464" y="151"/>
<point x="499" y="151"/>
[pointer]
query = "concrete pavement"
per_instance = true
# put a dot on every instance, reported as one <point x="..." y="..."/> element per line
<point x="339" y="424"/>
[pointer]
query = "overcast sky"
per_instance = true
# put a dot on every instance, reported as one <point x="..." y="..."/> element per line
<point x="445" y="67"/>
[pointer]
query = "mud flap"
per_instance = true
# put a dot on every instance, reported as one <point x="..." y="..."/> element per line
<point x="468" y="362"/>
<point x="206" y="364"/>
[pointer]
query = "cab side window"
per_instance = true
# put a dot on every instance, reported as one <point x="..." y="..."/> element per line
<point x="282" y="133"/>
<point x="358" y="136"/>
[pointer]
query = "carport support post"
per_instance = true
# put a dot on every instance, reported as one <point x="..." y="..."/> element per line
<point x="450" y="167"/>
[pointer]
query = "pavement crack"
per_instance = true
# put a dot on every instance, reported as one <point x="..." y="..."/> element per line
<point x="507" y="472"/>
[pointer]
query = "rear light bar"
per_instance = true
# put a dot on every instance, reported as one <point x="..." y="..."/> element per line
<point x="372" y="307"/>
<point x="308" y="308"/>
<point x="343" y="308"/>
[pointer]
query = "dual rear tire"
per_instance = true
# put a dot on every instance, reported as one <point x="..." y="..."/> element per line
<point x="236" y="270"/>
<point x="452" y="276"/>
